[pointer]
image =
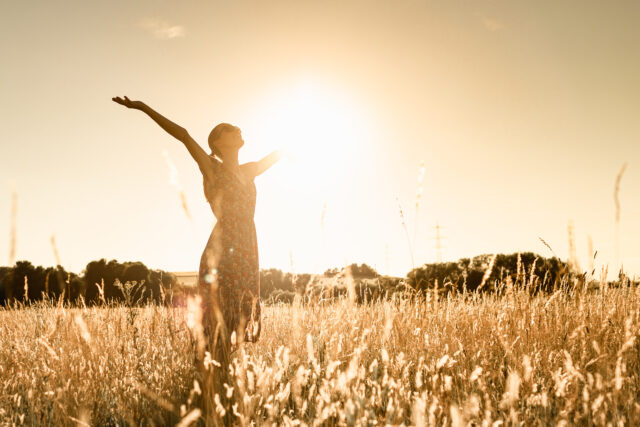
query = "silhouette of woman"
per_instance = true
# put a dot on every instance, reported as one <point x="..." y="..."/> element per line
<point x="229" y="276"/>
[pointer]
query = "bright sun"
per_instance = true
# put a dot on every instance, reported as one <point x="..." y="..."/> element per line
<point x="326" y="132"/>
<point x="318" y="126"/>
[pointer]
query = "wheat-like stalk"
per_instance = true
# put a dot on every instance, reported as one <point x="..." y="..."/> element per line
<point x="616" y="199"/>
<point x="406" y="231"/>
<point x="488" y="271"/>
<point x="174" y="181"/>
<point x="13" y="228"/>
<point x="573" y="257"/>
<point x="548" y="246"/>
<point x="592" y="255"/>
<point x="419" y="192"/>
<point x="54" y="247"/>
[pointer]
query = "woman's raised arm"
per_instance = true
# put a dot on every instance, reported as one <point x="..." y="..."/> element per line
<point x="256" y="168"/>
<point x="177" y="131"/>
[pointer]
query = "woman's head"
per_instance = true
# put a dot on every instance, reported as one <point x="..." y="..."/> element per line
<point x="225" y="138"/>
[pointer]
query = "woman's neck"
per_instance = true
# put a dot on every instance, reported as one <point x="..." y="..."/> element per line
<point x="231" y="160"/>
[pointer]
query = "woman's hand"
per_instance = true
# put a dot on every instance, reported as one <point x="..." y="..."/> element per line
<point x="286" y="154"/>
<point x="128" y="103"/>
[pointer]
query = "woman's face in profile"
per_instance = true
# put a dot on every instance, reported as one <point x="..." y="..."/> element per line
<point x="230" y="139"/>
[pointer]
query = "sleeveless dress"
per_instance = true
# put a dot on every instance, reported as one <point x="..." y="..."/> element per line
<point x="229" y="274"/>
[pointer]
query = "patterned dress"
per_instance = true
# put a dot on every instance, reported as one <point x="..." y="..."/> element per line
<point x="229" y="274"/>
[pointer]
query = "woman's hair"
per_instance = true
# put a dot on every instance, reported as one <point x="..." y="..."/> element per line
<point x="215" y="134"/>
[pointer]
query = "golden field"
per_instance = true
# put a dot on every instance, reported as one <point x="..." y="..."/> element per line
<point x="571" y="357"/>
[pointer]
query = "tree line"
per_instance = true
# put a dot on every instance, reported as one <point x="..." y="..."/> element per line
<point x="100" y="281"/>
<point x="103" y="281"/>
<point x="489" y="272"/>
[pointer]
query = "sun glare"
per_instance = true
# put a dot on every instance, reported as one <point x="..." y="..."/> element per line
<point x="318" y="127"/>
<point x="324" y="129"/>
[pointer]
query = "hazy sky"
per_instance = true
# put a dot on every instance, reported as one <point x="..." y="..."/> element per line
<point x="522" y="111"/>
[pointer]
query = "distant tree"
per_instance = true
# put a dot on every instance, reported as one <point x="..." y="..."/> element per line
<point x="98" y="272"/>
<point x="168" y="283"/>
<point x="134" y="271"/>
<point x="272" y="279"/>
<point x="281" y="296"/>
<point x="425" y="277"/>
<point x="330" y="272"/>
<point x="139" y="273"/>
<point x="114" y="270"/>
<point x="546" y="275"/>
<point x="4" y="273"/>
<point x="7" y="284"/>
<point x="155" y="281"/>
<point x="56" y="282"/>
<point x="364" y="271"/>
<point x="24" y="270"/>
<point x="299" y="282"/>
<point x="390" y="284"/>
<point x="77" y="288"/>
<point x="147" y="282"/>
<point x="51" y="282"/>
<point x="468" y="273"/>
<point x="93" y="275"/>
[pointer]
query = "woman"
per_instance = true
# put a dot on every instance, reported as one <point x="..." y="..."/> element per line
<point x="229" y="276"/>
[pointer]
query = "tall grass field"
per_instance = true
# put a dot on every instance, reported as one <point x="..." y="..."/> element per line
<point x="570" y="357"/>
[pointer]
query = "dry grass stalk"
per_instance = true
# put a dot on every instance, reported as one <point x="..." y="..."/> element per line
<point x="175" y="183"/>
<point x="616" y="199"/>
<point x="13" y="228"/>
<point x="592" y="255"/>
<point x="573" y="257"/>
<point x="488" y="272"/>
<point x="419" y="192"/>
<point x="406" y="231"/>
<point x="54" y="247"/>
<point x="548" y="246"/>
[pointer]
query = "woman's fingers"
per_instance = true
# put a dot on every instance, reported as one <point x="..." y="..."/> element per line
<point x="126" y="101"/>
